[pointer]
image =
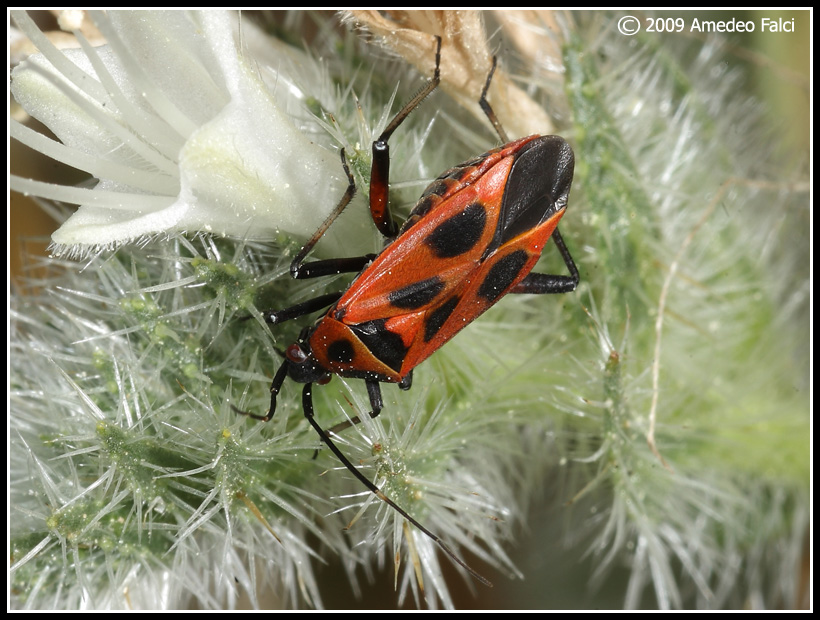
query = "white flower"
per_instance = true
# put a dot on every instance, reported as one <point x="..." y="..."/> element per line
<point x="179" y="126"/>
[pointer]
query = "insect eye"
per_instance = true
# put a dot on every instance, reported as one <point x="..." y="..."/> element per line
<point x="324" y="380"/>
<point x="295" y="354"/>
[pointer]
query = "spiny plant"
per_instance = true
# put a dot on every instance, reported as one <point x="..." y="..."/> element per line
<point x="661" y="410"/>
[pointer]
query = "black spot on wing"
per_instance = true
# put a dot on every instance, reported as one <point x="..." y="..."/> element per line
<point x="502" y="274"/>
<point x="340" y="351"/>
<point x="458" y="234"/>
<point x="385" y="346"/>
<point x="416" y="295"/>
<point x="435" y="320"/>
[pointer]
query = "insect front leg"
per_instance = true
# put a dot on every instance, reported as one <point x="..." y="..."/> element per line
<point x="301" y="270"/>
<point x="380" y="168"/>
<point x="275" y="387"/>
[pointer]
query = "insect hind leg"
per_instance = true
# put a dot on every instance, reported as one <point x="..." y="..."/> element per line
<point x="488" y="109"/>
<point x="547" y="284"/>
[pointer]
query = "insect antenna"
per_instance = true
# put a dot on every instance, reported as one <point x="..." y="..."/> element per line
<point x="307" y="405"/>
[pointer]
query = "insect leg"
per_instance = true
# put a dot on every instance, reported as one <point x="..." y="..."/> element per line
<point x="374" y="393"/>
<point x="380" y="169"/>
<point x="274" y="317"/>
<point x="331" y="267"/>
<point x="275" y="386"/>
<point x="488" y="110"/>
<point x="544" y="284"/>
<point x="307" y="406"/>
<point x="319" y="268"/>
<point x="534" y="283"/>
<point x="407" y="382"/>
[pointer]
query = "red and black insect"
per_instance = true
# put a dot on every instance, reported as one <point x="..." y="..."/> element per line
<point x="474" y="236"/>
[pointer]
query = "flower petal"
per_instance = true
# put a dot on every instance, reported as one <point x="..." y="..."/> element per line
<point x="193" y="132"/>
